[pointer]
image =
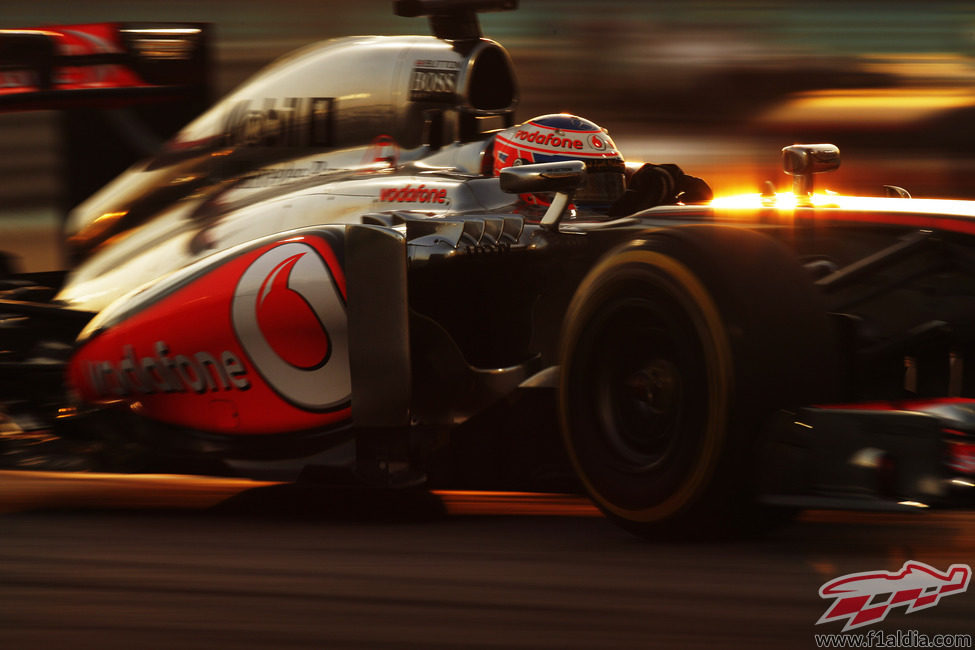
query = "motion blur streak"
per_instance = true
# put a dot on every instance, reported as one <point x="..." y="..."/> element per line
<point x="867" y="107"/>
<point x="516" y="503"/>
<point x="22" y="491"/>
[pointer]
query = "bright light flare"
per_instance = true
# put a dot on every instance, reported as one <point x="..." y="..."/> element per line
<point x="780" y="201"/>
<point x="787" y="201"/>
<point x="166" y="31"/>
<point x="913" y="504"/>
<point x="28" y="32"/>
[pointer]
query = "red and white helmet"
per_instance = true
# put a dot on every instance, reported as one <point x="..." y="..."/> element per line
<point x="558" y="137"/>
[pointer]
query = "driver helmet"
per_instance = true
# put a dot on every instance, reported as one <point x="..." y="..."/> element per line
<point x="559" y="137"/>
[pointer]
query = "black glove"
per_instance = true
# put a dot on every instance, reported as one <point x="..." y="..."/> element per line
<point x="654" y="185"/>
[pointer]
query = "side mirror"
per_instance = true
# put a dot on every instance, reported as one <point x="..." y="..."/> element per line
<point x="801" y="161"/>
<point x="563" y="178"/>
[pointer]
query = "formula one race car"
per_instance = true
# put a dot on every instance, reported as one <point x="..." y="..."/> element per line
<point x="358" y="266"/>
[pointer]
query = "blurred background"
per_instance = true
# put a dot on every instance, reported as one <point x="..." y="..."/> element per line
<point x="715" y="86"/>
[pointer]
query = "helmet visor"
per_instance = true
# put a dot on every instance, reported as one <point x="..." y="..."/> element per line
<point x="605" y="182"/>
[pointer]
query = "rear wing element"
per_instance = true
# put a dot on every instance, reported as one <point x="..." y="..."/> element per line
<point x="102" y="65"/>
<point x="452" y="20"/>
<point x="122" y="89"/>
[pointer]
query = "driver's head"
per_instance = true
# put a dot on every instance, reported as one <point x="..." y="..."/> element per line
<point x="559" y="137"/>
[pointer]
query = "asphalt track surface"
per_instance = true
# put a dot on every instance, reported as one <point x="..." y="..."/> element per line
<point x="114" y="561"/>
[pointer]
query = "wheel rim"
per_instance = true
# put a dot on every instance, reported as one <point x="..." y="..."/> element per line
<point x="639" y="410"/>
<point x="642" y="365"/>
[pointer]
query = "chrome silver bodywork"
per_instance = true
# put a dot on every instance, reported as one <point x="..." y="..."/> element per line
<point x="324" y="135"/>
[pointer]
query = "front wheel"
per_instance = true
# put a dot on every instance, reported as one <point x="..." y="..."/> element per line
<point x="675" y="349"/>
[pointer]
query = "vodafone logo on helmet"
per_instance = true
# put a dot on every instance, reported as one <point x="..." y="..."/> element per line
<point x="554" y="139"/>
<point x="290" y="319"/>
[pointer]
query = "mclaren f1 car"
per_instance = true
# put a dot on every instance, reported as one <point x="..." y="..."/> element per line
<point x="324" y="277"/>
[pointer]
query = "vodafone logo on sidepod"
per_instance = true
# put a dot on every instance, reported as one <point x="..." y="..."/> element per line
<point x="290" y="318"/>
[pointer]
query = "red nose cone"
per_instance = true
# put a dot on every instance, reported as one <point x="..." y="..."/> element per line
<point x="288" y="322"/>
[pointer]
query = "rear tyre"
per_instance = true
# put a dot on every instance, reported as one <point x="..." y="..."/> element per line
<point x="675" y="350"/>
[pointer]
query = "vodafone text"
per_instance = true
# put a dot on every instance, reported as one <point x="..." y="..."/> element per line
<point x="163" y="373"/>
<point x="548" y="138"/>
<point x="410" y="194"/>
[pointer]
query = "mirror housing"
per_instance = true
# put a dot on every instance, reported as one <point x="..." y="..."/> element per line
<point x="563" y="178"/>
<point x="801" y="161"/>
